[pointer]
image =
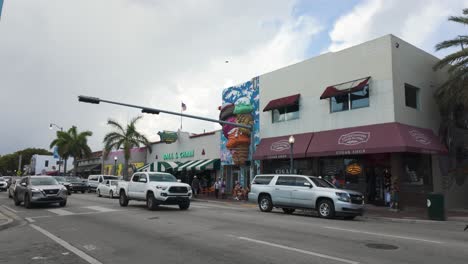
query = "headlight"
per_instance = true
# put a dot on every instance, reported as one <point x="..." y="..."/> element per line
<point x="35" y="190"/>
<point x="161" y="187"/>
<point x="344" y="197"/>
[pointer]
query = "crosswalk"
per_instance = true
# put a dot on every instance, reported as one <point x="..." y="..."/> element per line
<point x="87" y="210"/>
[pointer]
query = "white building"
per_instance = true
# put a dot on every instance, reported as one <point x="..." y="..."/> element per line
<point x="43" y="164"/>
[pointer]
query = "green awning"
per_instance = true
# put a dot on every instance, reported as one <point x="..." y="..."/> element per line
<point x="200" y="165"/>
<point x="168" y="165"/>
<point x="186" y="164"/>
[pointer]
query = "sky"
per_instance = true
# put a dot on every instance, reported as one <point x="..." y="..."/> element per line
<point x="161" y="53"/>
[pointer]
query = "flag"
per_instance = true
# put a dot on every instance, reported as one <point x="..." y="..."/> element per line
<point x="1" y="4"/>
<point x="184" y="107"/>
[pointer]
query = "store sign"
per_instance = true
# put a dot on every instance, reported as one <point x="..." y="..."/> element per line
<point x="420" y="137"/>
<point x="354" y="138"/>
<point x="168" y="137"/>
<point x="350" y="152"/>
<point x="354" y="169"/>
<point x="286" y="171"/>
<point x="178" y="155"/>
<point x="280" y="145"/>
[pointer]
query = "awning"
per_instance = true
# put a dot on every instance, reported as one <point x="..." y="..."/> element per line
<point x="381" y="138"/>
<point x="184" y="166"/>
<point x="345" y="88"/>
<point x="209" y="164"/>
<point x="168" y="165"/>
<point x="279" y="148"/>
<point x="282" y="102"/>
<point x="145" y="168"/>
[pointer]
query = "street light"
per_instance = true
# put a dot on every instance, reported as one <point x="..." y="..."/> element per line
<point x="115" y="165"/>
<point x="291" y="143"/>
<point x="51" y="126"/>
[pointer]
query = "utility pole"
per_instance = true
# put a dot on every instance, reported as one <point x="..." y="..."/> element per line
<point x="20" y="161"/>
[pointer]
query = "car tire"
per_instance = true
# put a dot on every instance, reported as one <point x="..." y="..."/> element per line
<point x="9" y="195"/>
<point x="349" y="217"/>
<point x="123" y="200"/>
<point x="111" y="194"/>
<point x="62" y="204"/>
<point x="265" y="204"/>
<point x="288" y="210"/>
<point x="27" y="202"/>
<point x="98" y="192"/>
<point x="151" y="202"/>
<point x="184" y="205"/>
<point x="326" y="209"/>
<point x="16" y="200"/>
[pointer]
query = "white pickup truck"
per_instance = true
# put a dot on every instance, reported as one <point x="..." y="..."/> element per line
<point x="156" y="188"/>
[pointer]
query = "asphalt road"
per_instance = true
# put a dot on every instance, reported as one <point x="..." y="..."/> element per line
<point x="97" y="230"/>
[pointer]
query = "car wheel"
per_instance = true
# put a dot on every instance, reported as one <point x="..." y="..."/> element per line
<point x="62" y="204"/>
<point x="9" y="195"/>
<point x="27" y="201"/>
<point x="151" y="202"/>
<point x="111" y="194"/>
<point x="288" y="210"/>
<point x="98" y="193"/>
<point x="16" y="200"/>
<point x="265" y="204"/>
<point x="83" y="191"/>
<point x="326" y="209"/>
<point x="349" y="217"/>
<point x="184" y="205"/>
<point x="123" y="200"/>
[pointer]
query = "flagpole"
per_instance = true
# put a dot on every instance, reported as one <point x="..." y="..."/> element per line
<point x="181" y="116"/>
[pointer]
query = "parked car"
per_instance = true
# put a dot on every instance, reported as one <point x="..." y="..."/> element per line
<point x="108" y="188"/>
<point x="3" y="184"/>
<point x="94" y="180"/>
<point x="8" y="179"/>
<point x="39" y="189"/>
<point x="77" y="184"/>
<point x="291" y="192"/>
<point x="11" y="189"/>
<point x="62" y="180"/>
<point x="156" y="188"/>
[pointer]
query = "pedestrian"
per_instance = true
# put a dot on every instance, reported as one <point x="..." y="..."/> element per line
<point x="195" y="185"/>
<point x="217" y="186"/>
<point x="223" y="189"/>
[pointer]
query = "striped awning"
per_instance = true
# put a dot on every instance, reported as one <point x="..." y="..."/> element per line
<point x="200" y="165"/>
<point x="168" y="165"/>
<point x="147" y="167"/>
<point x="184" y="166"/>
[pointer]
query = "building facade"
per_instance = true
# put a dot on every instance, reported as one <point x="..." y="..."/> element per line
<point x="113" y="164"/>
<point x="364" y="117"/>
<point x="47" y="164"/>
<point x="91" y="165"/>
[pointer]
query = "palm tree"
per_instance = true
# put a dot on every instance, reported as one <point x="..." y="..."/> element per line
<point x="126" y="139"/>
<point x="454" y="91"/>
<point x="72" y="144"/>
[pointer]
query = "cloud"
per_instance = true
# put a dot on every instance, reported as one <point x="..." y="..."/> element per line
<point x="419" y="22"/>
<point x="151" y="53"/>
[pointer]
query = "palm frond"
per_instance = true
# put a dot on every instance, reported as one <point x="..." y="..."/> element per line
<point x="451" y="58"/>
<point x="457" y="42"/>
<point x="116" y="125"/>
<point x="459" y="19"/>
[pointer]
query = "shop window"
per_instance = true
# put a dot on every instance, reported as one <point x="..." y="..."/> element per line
<point x="360" y="99"/>
<point x="417" y="172"/>
<point x="411" y="96"/>
<point x="285" y="113"/>
<point x="346" y="171"/>
<point x="339" y="103"/>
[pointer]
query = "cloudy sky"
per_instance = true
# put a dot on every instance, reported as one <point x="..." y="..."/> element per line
<point x="159" y="53"/>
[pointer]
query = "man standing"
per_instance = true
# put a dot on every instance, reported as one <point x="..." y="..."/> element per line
<point x="216" y="188"/>
<point x="195" y="185"/>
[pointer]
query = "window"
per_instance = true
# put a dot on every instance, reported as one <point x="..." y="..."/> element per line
<point x="262" y="180"/>
<point x="321" y="183"/>
<point x="411" y="96"/>
<point x="162" y="177"/>
<point x="288" y="181"/>
<point x="417" y="174"/>
<point x="300" y="181"/>
<point x="136" y="178"/>
<point x="360" y="99"/>
<point x="46" y="163"/>
<point x="285" y="113"/>
<point x="349" y="101"/>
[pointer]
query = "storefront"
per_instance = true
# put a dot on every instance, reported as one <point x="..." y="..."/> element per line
<point x="187" y="155"/>
<point x="115" y="160"/>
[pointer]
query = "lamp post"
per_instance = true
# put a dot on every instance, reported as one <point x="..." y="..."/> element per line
<point x="115" y="166"/>
<point x="51" y="126"/>
<point x="291" y="144"/>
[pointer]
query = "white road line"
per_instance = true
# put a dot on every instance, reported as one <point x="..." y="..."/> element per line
<point x="100" y="208"/>
<point x="60" y="212"/>
<point x="299" y="250"/>
<point x="383" y="235"/>
<point x="30" y="220"/>
<point x="67" y="245"/>
<point x="10" y="209"/>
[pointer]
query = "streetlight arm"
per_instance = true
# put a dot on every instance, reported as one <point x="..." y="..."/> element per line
<point x="55" y="125"/>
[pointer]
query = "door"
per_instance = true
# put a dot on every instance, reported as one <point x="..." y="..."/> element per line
<point x="303" y="195"/>
<point x="21" y="190"/>
<point x="132" y="186"/>
<point x="282" y="191"/>
<point x="104" y="187"/>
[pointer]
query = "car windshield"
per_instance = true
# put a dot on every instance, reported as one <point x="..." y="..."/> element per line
<point x="110" y="177"/>
<point x="43" y="181"/>
<point x="60" y="179"/>
<point x="321" y="182"/>
<point x="74" y="180"/>
<point x="162" y="177"/>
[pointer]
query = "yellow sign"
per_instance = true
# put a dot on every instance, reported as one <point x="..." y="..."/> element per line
<point x="354" y="169"/>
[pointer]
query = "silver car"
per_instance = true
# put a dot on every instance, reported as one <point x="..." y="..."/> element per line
<point x="291" y="192"/>
<point x="3" y="184"/>
<point x="40" y="190"/>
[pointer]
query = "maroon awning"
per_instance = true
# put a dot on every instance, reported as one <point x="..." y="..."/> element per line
<point x="279" y="148"/>
<point x="345" y="88"/>
<point x="381" y="138"/>
<point x="282" y="102"/>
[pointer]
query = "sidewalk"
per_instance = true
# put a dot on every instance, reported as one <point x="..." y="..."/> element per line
<point x="411" y="215"/>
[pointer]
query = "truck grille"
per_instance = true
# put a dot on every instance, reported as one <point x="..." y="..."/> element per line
<point x="356" y="199"/>
<point x="54" y="191"/>
<point x="178" y="189"/>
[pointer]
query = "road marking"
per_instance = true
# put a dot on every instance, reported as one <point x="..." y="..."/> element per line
<point x="11" y="209"/>
<point x="383" y="235"/>
<point x="100" y="209"/>
<point x="298" y="250"/>
<point x="30" y="220"/>
<point x="67" y="245"/>
<point x="60" y="212"/>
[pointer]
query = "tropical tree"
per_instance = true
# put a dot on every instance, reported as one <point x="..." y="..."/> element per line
<point x="454" y="91"/>
<point x="72" y="144"/>
<point x="124" y="138"/>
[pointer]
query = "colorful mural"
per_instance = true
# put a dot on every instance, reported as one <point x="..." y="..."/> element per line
<point x="240" y="105"/>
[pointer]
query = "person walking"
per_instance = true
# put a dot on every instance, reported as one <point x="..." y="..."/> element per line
<point x="223" y="189"/>
<point x="195" y="185"/>
<point x="217" y="186"/>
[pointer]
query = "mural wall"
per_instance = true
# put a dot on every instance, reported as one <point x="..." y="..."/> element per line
<point x="240" y="104"/>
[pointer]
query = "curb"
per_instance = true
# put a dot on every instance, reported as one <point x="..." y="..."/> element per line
<point x="8" y="223"/>
<point x="411" y="221"/>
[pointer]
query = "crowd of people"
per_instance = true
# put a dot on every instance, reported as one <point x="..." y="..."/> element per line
<point x="219" y="188"/>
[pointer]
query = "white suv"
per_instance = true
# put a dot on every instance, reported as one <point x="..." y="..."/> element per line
<point x="291" y="192"/>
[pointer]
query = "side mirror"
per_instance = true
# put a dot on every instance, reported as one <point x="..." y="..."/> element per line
<point x="23" y="184"/>
<point x="308" y="184"/>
